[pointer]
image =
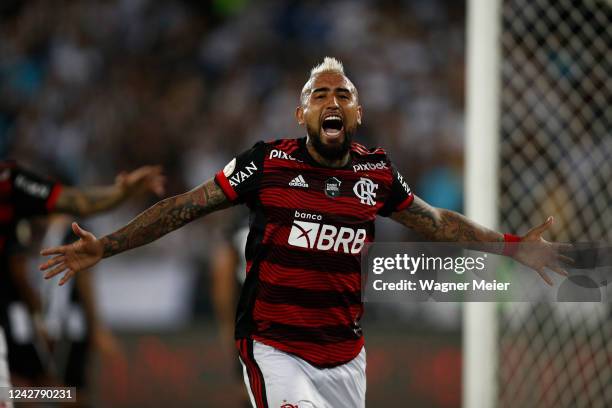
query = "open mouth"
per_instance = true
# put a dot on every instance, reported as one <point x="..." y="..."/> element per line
<point x="332" y="126"/>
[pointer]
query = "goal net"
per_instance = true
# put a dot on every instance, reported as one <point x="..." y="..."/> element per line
<point x="556" y="158"/>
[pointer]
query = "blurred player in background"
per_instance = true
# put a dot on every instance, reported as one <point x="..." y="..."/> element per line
<point x="228" y="272"/>
<point x="313" y="203"/>
<point x="23" y="195"/>
<point x="73" y="323"/>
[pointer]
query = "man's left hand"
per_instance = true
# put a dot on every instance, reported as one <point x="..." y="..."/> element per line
<point x="539" y="254"/>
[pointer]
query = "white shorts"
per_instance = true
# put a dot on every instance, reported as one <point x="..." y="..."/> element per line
<point x="276" y="379"/>
<point x="4" y="370"/>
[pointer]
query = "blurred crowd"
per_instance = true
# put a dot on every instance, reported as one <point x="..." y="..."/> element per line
<point x="88" y="89"/>
<point x="94" y="87"/>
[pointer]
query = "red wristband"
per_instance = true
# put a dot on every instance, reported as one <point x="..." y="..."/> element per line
<point x="510" y="250"/>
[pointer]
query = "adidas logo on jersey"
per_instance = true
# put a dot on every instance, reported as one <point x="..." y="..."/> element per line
<point x="298" y="182"/>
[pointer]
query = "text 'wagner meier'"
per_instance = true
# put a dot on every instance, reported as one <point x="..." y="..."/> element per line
<point x="411" y="265"/>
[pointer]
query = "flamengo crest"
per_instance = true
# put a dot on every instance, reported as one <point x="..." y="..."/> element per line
<point x="365" y="190"/>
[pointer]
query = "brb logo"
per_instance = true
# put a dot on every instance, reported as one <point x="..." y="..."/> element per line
<point x="365" y="190"/>
<point x="314" y="235"/>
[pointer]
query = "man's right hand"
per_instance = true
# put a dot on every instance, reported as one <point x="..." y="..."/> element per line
<point x="73" y="258"/>
<point x="153" y="223"/>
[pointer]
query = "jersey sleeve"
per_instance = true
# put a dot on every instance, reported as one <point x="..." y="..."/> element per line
<point x="33" y="194"/>
<point x="400" y="196"/>
<point x="241" y="177"/>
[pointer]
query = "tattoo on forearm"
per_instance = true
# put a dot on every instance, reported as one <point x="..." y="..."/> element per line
<point x="90" y="200"/>
<point x="443" y="225"/>
<point x="164" y="217"/>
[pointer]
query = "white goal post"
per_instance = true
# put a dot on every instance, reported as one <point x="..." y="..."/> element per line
<point x="481" y="186"/>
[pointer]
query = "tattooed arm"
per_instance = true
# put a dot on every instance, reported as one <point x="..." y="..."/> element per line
<point x="438" y="224"/>
<point x="155" y="222"/>
<point x="87" y="201"/>
<point x="164" y="217"/>
<point x="92" y="200"/>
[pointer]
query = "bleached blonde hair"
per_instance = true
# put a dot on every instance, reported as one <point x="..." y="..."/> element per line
<point x="329" y="64"/>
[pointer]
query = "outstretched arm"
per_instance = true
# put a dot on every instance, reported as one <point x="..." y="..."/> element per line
<point x="438" y="224"/>
<point x="155" y="222"/>
<point x="164" y="217"/>
<point x="90" y="200"/>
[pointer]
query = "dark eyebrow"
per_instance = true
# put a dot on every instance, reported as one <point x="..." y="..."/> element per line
<point x="325" y="89"/>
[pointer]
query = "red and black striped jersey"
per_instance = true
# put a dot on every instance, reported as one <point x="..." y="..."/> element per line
<point x="22" y="195"/>
<point x="308" y="224"/>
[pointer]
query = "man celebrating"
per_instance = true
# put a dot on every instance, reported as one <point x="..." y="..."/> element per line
<point x="23" y="195"/>
<point x="313" y="203"/>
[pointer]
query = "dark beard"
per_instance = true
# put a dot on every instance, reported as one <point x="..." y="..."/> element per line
<point x="330" y="152"/>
